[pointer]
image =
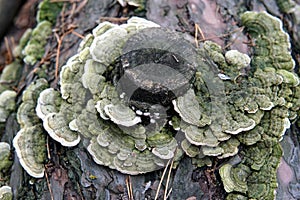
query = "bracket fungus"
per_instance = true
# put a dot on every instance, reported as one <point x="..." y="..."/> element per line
<point x="8" y="79"/>
<point x="7" y="103"/>
<point x="138" y="93"/>
<point x="5" y="161"/>
<point x="113" y="95"/>
<point x="234" y="179"/>
<point x="272" y="66"/>
<point x="30" y="141"/>
<point x="38" y="39"/>
<point x="48" y="11"/>
<point x="10" y="75"/>
<point x="6" y="193"/>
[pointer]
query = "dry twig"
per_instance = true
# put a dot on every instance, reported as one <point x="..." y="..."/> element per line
<point x="223" y="35"/>
<point x="113" y="19"/>
<point x="66" y="1"/>
<point x="66" y="28"/>
<point x="240" y="30"/>
<point x="198" y="29"/>
<point x="59" y="40"/>
<point x="81" y="5"/>
<point x="9" y="51"/>
<point x="77" y="34"/>
<point x="49" y="186"/>
<point x="129" y="188"/>
<point x="169" y="193"/>
<point x="48" y="149"/>
<point x="161" y="180"/>
<point x="79" y="191"/>
<point x="166" y="194"/>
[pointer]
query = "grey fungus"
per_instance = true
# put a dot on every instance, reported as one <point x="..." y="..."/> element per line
<point x="289" y="78"/>
<point x="254" y="176"/>
<point x="230" y="147"/>
<point x="6" y="193"/>
<point x="206" y="134"/>
<point x="10" y="74"/>
<point x="236" y="58"/>
<point x="29" y="143"/>
<point x="200" y="137"/>
<point x="33" y="41"/>
<point x="208" y="103"/>
<point x="236" y="126"/>
<point x="234" y="178"/>
<point x="7" y="103"/>
<point x="5" y="161"/>
<point x="190" y="150"/>
<point x="48" y="102"/>
<point x="90" y="106"/>
<point x="236" y="196"/>
<point x="109" y="43"/>
<point x="100" y="108"/>
<point x="48" y="10"/>
<point x="189" y="109"/>
<point x="121" y="114"/>
<point x="136" y="3"/>
<point x="270" y="39"/>
<point x="57" y="127"/>
<point x="32" y="51"/>
<point x="120" y="154"/>
<point x="288" y="6"/>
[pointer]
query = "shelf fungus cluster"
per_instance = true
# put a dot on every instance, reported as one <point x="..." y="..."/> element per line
<point x="30" y="141"/>
<point x="7" y="103"/>
<point x="8" y="79"/>
<point x="37" y="38"/>
<point x="5" y="161"/>
<point x="139" y="95"/>
<point x="272" y="65"/>
<point x="30" y="51"/>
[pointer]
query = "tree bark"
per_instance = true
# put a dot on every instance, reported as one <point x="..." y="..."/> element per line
<point x="71" y="172"/>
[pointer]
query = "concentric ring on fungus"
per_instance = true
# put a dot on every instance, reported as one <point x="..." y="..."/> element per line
<point x="120" y="87"/>
<point x="137" y="93"/>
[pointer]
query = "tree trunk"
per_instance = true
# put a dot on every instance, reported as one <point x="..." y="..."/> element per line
<point x="71" y="172"/>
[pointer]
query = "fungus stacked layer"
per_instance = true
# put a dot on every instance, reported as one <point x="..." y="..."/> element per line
<point x="141" y="95"/>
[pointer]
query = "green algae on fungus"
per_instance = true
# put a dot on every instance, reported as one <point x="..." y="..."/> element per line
<point x="134" y="118"/>
<point x="272" y="45"/>
<point x="236" y="196"/>
<point x="48" y="11"/>
<point x="255" y="176"/>
<point x="30" y="141"/>
<point x="36" y="39"/>
<point x="5" y="161"/>
<point x="273" y="67"/>
<point x="234" y="178"/>
<point x="263" y="183"/>
<point x="32" y="51"/>
<point x="9" y="79"/>
<point x="150" y="147"/>
<point x="120" y="122"/>
<point x="110" y="114"/>
<point x="17" y="51"/>
<point x="9" y="76"/>
<point x="286" y="6"/>
<point x="7" y="103"/>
